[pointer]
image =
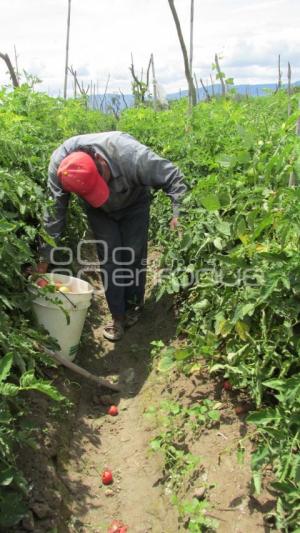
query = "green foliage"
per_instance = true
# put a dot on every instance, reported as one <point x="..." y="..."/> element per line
<point x="178" y="463"/>
<point x="194" y="514"/>
<point x="32" y="125"/>
<point x="235" y="265"/>
<point x="181" y="467"/>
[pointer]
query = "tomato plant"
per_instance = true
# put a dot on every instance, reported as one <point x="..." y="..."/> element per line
<point x="234" y="268"/>
<point x="32" y="125"/>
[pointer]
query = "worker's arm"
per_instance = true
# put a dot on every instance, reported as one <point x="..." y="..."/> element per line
<point x="148" y="169"/>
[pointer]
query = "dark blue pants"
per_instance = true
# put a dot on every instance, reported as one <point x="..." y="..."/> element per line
<point x="122" y="250"/>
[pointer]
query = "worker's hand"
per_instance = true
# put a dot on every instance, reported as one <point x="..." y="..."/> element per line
<point x="174" y="223"/>
<point x="42" y="267"/>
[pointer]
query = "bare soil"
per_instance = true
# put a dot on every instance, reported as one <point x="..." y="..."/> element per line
<point x="76" y="445"/>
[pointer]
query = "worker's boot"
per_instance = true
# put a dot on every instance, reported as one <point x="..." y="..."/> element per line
<point x="114" y="330"/>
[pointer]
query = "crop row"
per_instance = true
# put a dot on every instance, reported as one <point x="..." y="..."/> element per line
<point x="31" y="126"/>
<point x="235" y="264"/>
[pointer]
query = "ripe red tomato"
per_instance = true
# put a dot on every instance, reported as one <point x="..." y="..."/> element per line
<point x="113" y="410"/>
<point x="242" y="409"/>
<point x="117" y="527"/>
<point x="107" y="477"/>
<point x="227" y="385"/>
<point x="42" y="282"/>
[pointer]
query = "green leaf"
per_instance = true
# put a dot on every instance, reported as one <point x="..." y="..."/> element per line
<point x="242" y="329"/>
<point x="49" y="390"/>
<point x="20" y="191"/>
<point x="210" y="202"/>
<point x="155" y="444"/>
<point x="257" y="481"/>
<point x="264" y="223"/>
<point x="222" y="325"/>
<point x="218" y="243"/>
<point x="175" y="284"/>
<point x="277" y="384"/>
<point x="8" y="389"/>
<point x="198" y="306"/>
<point x="28" y="381"/>
<point x="166" y="364"/>
<point x="5" y="366"/>
<point x="181" y="355"/>
<point x="263" y="417"/>
<point x="12" y="509"/>
<point x="7" y="476"/>
<point x="241" y="455"/>
<point x="226" y="161"/>
<point x="214" y="415"/>
<point x="216" y="368"/>
<point x="243" y="310"/>
<point x="224" y="227"/>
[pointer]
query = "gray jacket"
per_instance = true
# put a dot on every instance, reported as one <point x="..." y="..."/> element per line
<point x="134" y="170"/>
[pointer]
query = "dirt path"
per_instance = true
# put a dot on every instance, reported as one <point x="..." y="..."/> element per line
<point x="120" y="443"/>
<point x="75" y="444"/>
<point x="138" y="497"/>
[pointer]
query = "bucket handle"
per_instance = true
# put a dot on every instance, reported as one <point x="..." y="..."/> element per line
<point x="70" y="301"/>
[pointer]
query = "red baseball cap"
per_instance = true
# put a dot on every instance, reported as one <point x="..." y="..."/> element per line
<point x="78" y="173"/>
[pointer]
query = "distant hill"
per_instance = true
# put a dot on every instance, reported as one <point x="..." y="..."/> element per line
<point x="251" y="90"/>
<point x="110" y="100"/>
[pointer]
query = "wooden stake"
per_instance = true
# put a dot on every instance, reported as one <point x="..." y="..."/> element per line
<point x="279" y="84"/>
<point x="154" y="85"/>
<point x="221" y="77"/>
<point x="104" y="95"/>
<point x="293" y="177"/>
<point x="16" y="62"/>
<point x="191" y="46"/>
<point x="11" y="69"/>
<point x="197" y="88"/>
<point x="188" y="74"/>
<point x="67" y="49"/>
<point x="212" y="86"/>
<point x="289" y="89"/>
<point x="208" y="98"/>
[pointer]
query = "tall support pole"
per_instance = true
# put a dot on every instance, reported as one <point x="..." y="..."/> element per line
<point x="289" y="88"/>
<point x="75" y="84"/>
<point x="293" y="177"/>
<point x="11" y="69"/>
<point x="197" y="88"/>
<point x="192" y="50"/>
<point x="191" y="35"/>
<point x="212" y="86"/>
<point x="67" y="49"/>
<point x="154" y="85"/>
<point x="188" y="74"/>
<point x="16" y="62"/>
<point x="279" y="74"/>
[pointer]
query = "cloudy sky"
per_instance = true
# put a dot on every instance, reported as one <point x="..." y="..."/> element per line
<point x="248" y="34"/>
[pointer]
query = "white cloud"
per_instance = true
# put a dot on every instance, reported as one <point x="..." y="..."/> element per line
<point x="249" y="35"/>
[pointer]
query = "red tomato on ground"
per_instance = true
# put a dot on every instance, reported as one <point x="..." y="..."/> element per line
<point x="117" y="527"/>
<point x="227" y="385"/>
<point x="113" y="410"/>
<point x="107" y="477"/>
<point x="242" y="409"/>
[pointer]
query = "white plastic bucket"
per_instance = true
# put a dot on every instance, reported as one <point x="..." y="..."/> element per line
<point x="65" y="329"/>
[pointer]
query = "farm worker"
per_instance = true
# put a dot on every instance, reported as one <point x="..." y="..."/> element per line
<point x="112" y="173"/>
